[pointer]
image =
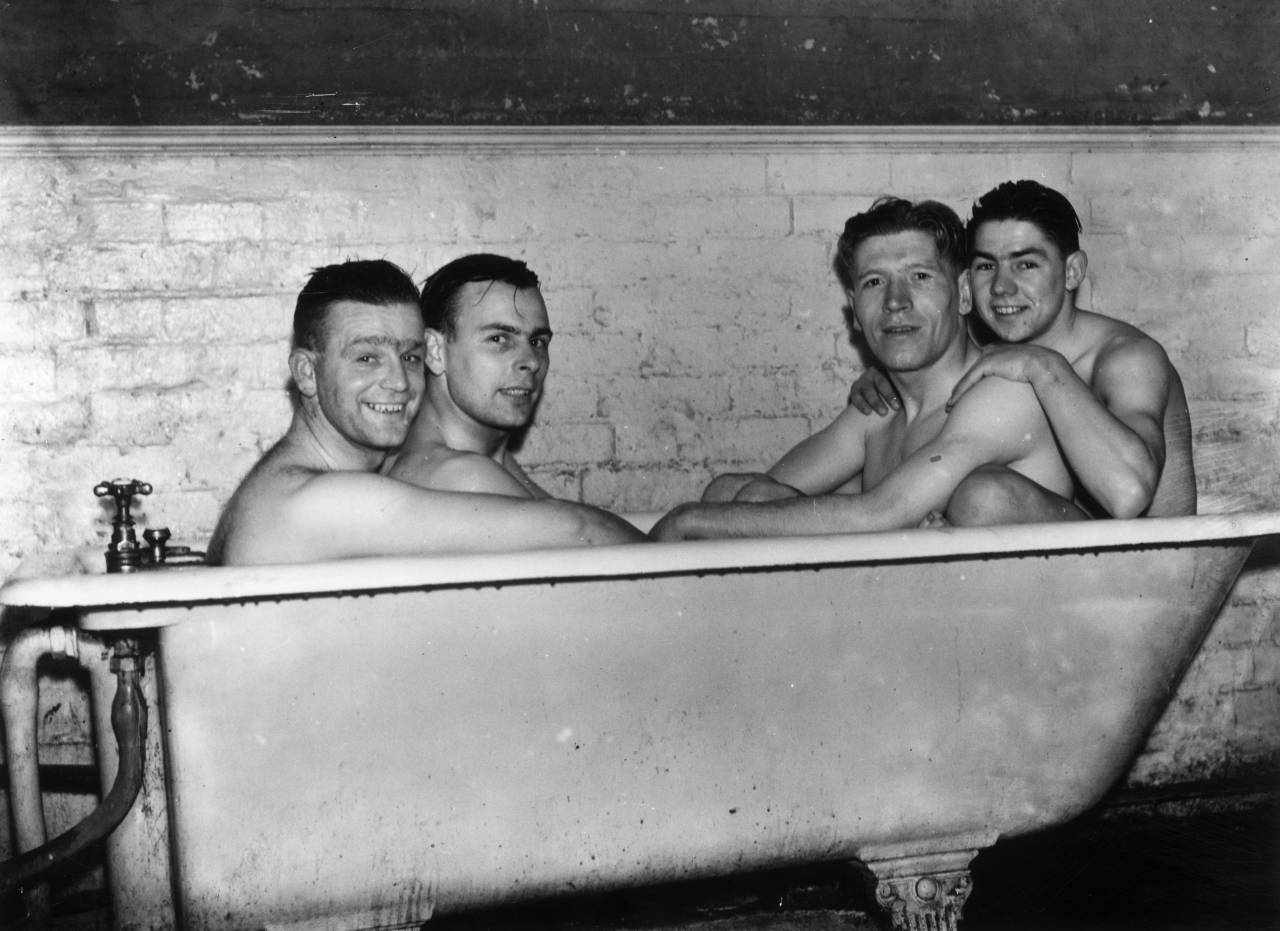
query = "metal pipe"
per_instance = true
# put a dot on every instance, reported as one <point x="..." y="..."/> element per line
<point x="19" y="701"/>
<point x="128" y="721"/>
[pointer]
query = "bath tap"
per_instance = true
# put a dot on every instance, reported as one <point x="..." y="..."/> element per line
<point x="124" y="553"/>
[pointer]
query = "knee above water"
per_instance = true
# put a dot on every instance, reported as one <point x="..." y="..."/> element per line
<point x="985" y="496"/>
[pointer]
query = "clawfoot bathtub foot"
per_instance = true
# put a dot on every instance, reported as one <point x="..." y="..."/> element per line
<point x="928" y="902"/>
<point x="921" y="891"/>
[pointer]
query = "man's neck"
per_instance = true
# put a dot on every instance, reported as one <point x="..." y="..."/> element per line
<point x="928" y="389"/>
<point x="436" y="424"/>
<point x="315" y="444"/>
<point x="1061" y="335"/>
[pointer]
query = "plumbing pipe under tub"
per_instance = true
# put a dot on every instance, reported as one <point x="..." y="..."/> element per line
<point x="19" y="691"/>
<point x="19" y="698"/>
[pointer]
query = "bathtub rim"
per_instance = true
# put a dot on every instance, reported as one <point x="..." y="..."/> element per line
<point x="116" y="593"/>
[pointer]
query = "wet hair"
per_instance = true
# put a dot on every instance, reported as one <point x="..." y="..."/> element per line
<point x="365" y="281"/>
<point x="1031" y="202"/>
<point x="890" y="215"/>
<point x="440" y="292"/>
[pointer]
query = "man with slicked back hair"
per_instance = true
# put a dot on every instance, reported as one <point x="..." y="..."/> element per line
<point x="358" y="377"/>
<point x="488" y="348"/>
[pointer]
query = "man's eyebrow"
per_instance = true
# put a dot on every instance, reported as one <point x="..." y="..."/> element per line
<point x="1016" y="254"/>
<point x="515" y="330"/>
<point x="380" y="339"/>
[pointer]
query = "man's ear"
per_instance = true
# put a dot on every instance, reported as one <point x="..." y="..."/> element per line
<point x="1077" y="265"/>
<point x="965" y="284"/>
<point x="853" y="317"/>
<point x="436" y="352"/>
<point x="302" y="366"/>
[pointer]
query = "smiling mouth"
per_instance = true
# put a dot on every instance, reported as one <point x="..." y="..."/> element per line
<point x="1006" y="310"/>
<point x="898" y="330"/>
<point x="519" y="394"/>
<point x="386" y="408"/>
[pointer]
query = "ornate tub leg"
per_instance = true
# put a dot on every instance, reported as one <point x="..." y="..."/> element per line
<point x="923" y="886"/>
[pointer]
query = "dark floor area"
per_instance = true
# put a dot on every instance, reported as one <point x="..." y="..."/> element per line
<point x="1184" y="863"/>
<point x="1208" y="864"/>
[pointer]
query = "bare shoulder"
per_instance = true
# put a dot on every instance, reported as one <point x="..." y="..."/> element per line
<point x="295" y="514"/>
<point x="442" y="468"/>
<point x="1113" y="341"/>
<point x="260" y="507"/>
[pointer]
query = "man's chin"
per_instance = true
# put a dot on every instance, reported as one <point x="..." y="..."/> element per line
<point x="1010" y="331"/>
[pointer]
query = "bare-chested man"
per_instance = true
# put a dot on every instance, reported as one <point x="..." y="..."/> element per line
<point x="1116" y="403"/>
<point x="903" y="267"/>
<point x="357" y="366"/>
<point x="488" y="342"/>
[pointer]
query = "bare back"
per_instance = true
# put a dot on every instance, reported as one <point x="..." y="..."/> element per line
<point x="258" y="516"/>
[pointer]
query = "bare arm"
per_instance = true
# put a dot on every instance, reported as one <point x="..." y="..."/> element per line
<point x="819" y="464"/>
<point x="1111" y="434"/>
<point x="990" y="426"/>
<point x="829" y="458"/>
<point x="747" y="486"/>
<point x="337" y="515"/>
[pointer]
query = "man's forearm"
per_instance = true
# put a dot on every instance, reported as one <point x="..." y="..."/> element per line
<point x="786" y="517"/>
<point x="591" y="526"/>
<point x="1111" y="460"/>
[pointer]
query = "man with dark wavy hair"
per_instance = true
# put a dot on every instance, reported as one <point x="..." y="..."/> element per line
<point x="904" y="269"/>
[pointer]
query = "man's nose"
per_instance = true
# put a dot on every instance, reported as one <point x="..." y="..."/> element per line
<point x="897" y="296"/>
<point x="528" y="360"/>
<point x="1002" y="282"/>
<point x="395" y="375"/>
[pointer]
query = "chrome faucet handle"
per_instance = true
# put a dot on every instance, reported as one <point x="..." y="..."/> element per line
<point x="122" y="553"/>
<point x="123" y="490"/>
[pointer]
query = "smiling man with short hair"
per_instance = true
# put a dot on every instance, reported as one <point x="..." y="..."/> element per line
<point x="357" y="369"/>
<point x="903" y="267"/>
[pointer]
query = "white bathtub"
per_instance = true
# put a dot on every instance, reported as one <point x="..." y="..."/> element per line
<point x="367" y="743"/>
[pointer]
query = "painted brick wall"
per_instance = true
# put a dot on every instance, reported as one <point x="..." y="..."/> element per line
<point x="146" y="285"/>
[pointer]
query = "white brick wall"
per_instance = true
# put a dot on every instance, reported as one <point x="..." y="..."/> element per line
<point x="147" y="281"/>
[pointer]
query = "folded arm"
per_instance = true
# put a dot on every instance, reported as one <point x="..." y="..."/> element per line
<point x="984" y="428"/>
<point x="1111" y="433"/>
